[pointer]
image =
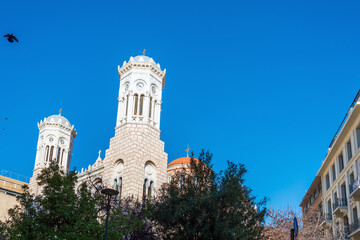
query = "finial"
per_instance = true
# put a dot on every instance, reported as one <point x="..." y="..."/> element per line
<point x="187" y="151"/>
<point x="99" y="152"/>
<point x="143" y="52"/>
<point x="60" y="111"/>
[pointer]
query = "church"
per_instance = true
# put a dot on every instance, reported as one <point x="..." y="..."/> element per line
<point x="135" y="163"/>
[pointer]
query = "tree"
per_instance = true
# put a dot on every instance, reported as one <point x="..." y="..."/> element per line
<point x="58" y="213"/>
<point x="201" y="204"/>
<point x="280" y="221"/>
<point x="138" y="226"/>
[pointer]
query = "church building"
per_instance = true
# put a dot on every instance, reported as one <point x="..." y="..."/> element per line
<point x="135" y="163"/>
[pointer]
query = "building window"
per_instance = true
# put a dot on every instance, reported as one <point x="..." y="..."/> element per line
<point x="327" y="181"/>
<point x="182" y="180"/>
<point x="341" y="162"/>
<point x="141" y="104"/>
<point x="144" y="189"/>
<point x="150" y="103"/>
<point x="358" y="136"/>
<point x="135" y="104"/>
<point x="58" y="156"/>
<point x="118" y="186"/>
<point x="333" y="173"/>
<point x="47" y="154"/>
<point x="150" y="190"/>
<point x="51" y="153"/>
<point x="329" y="208"/>
<point x="349" y="150"/>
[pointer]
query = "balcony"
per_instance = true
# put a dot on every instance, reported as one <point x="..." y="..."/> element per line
<point x="355" y="229"/>
<point x="326" y="220"/>
<point x="355" y="190"/>
<point x="340" y="207"/>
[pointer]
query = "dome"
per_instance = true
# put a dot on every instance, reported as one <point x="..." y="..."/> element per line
<point x="183" y="160"/>
<point x="143" y="58"/>
<point x="58" y="118"/>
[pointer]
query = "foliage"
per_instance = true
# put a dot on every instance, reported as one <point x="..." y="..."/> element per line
<point x="200" y="204"/>
<point x="58" y="212"/>
<point x="137" y="226"/>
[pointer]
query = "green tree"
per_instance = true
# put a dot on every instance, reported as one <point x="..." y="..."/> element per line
<point x="201" y="204"/>
<point x="58" y="213"/>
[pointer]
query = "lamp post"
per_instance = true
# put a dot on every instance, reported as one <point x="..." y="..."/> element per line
<point x="109" y="193"/>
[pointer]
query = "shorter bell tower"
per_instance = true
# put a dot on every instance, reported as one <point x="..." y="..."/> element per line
<point x="55" y="143"/>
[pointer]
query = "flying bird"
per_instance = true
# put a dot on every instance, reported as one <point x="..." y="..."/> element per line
<point x="11" y="38"/>
<point x="6" y="118"/>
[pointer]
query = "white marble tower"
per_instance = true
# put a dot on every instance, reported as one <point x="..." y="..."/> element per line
<point x="55" y="143"/>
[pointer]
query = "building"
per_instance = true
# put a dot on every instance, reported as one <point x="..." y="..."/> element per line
<point x="312" y="201"/>
<point x="10" y="189"/>
<point x="135" y="163"/>
<point x="339" y="175"/>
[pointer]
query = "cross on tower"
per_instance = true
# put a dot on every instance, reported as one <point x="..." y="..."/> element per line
<point x="187" y="151"/>
<point x="143" y="52"/>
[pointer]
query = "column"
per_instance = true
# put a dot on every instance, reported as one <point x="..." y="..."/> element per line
<point x="157" y="113"/>
<point x="146" y="107"/>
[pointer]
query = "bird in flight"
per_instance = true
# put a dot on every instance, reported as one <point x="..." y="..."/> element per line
<point x="11" y="38"/>
<point x="6" y="118"/>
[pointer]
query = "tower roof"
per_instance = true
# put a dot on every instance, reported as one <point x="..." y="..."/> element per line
<point x="58" y="119"/>
<point x="183" y="160"/>
<point x="142" y="58"/>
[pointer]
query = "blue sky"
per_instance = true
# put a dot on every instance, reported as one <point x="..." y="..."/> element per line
<point x="264" y="83"/>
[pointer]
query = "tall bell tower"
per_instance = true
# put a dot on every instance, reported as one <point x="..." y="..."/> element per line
<point x="140" y="93"/>
<point x="135" y="162"/>
<point x="55" y="143"/>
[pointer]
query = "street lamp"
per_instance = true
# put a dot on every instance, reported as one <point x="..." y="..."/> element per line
<point x="109" y="193"/>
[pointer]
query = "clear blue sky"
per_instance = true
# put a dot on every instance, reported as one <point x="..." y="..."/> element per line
<point x="264" y="83"/>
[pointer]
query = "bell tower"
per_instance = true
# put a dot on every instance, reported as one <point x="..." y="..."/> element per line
<point x="55" y="143"/>
<point x="140" y="93"/>
<point x="136" y="156"/>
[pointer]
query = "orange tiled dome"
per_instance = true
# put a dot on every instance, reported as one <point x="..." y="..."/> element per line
<point x="183" y="160"/>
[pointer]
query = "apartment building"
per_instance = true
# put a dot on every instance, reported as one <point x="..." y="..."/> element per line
<point x="312" y="201"/>
<point x="340" y="178"/>
<point x="10" y="188"/>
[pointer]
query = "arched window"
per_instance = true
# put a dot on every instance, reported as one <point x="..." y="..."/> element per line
<point x="144" y="189"/>
<point x="47" y="154"/>
<point x="58" y="155"/>
<point x="150" y="103"/>
<point x="127" y="104"/>
<point x="135" y="104"/>
<point x="118" y="186"/>
<point x="182" y="180"/>
<point x="141" y="104"/>
<point x="97" y="186"/>
<point x="62" y="156"/>
<point x="51" y="153"/>
<point x="150" y="190"/>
